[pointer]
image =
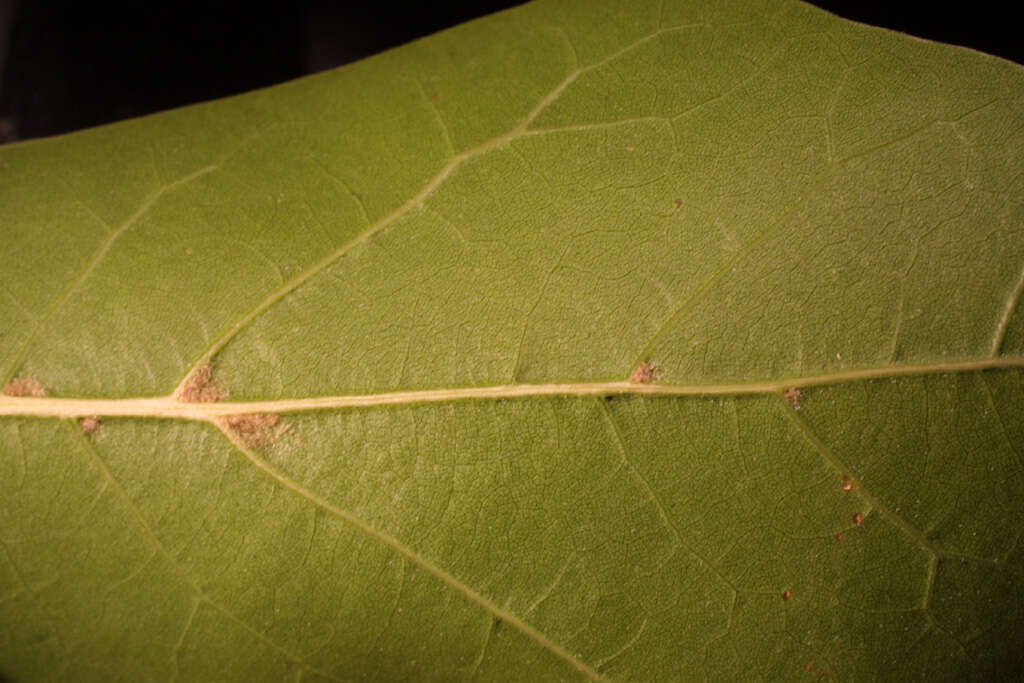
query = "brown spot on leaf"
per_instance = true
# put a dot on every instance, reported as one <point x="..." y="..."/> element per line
<point x="89" y="425"/>
<point x="25" y="386"/>
<point x="203" y="387"/>
<point x="858" y="519"/>
<point x="646" y="372"/>
<point x="847" y="483"/>
<point x="256" y="430"/>
<point x="787" y="594"/>
<point x="679" y="203"/>
<point x="839" y="537"/>
<point x="793" y="395"/>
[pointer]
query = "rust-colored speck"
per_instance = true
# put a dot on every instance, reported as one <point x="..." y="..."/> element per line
<point x="847" y="483"/>
<point x="793" y="395"/>
<point x="646" y="372"/>
<point x="89" y="425"/>
<point x="858" y="519"/>
<point x="839" y="537"/>
<point x="787" y="594"/>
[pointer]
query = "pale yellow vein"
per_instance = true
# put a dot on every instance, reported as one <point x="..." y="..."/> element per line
<point x="411" y="555"/>
<point x="171" y="408"/>
<point x="416" y="201"/>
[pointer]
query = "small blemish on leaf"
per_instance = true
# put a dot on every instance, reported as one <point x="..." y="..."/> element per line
<point x="787" y="594"/>
<point x="839" y="537"/>
<point x="646" y="372"/>
<point x="25" y="386"/>
<point x="847" y="483"/>
<point x="89" y="425"/>
<point x="858" y="519"/>
<point x="203" y="387"/>
<point x="793" y="395"/>
<point x="256" y="430"/>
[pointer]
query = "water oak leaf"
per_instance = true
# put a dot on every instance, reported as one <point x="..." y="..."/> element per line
<point x="598" y="340"/>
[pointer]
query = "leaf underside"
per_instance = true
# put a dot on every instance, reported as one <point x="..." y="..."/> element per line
<point x="622" y="341"/>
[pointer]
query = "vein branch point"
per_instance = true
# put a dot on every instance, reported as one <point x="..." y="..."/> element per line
<point x="256" y="430"/>
<point x="202" y="386"/>
<point x="793" y="395"/>
<point x="646" y="372"/>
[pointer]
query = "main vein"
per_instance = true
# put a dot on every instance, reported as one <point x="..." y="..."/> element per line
<point x="171" y="407"/>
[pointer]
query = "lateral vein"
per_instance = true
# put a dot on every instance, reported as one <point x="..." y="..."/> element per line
<point x="407" y="552"/>
<point x="1008" y="310"/>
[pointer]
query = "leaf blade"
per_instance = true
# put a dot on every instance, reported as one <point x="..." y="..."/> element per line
<point x="446" y="293"/>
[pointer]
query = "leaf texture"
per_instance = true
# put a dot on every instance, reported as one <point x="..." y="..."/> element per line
<point x="601" y="341"/>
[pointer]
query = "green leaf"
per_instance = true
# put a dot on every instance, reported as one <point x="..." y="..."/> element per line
<point x="620" y="341"/>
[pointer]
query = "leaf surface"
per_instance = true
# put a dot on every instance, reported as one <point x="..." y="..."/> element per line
<point x="420" y="286"/>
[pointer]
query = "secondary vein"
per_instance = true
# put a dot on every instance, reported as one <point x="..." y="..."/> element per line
<point x="405" y="551"/>
<point x="417" y="200"/>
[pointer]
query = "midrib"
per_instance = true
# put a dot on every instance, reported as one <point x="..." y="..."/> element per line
<point x="169" y="407"/>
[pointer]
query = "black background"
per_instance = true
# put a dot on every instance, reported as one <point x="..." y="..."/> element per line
<point x="74" y="64"/>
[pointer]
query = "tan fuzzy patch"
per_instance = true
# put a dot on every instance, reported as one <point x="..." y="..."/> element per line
<point x="203" y="387"/>
<point x="89" y="425"/>
<point x="25" y="386"/>
<point x="646" y="372"/>
<point x="256" y="430"/>
<point x="793" y="395"/>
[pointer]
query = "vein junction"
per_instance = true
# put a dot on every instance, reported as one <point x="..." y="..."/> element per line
<point x="173" y="408"/>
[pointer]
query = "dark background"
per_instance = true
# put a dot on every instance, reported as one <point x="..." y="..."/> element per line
<point x="71" y="64"/>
